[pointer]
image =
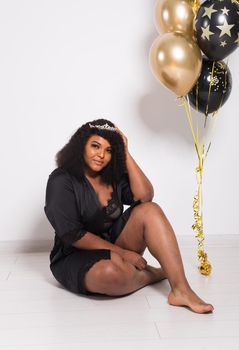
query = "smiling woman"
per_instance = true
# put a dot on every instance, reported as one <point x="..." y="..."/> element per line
<point x="98" y="246"/>
<point x="97" y="154"/>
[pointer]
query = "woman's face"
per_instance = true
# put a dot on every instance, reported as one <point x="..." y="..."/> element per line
<point x="97" y="153"/>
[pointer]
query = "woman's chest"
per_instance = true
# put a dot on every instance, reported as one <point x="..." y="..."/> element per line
<point x="103" y="194"/>
<point x="91" y="201"/>
<point x="95" y="209"/>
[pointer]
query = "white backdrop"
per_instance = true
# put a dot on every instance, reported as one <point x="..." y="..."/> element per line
<point x="64" y="62"/>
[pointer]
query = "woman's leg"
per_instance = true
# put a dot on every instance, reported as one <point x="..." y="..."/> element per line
<point x="116" y="277"/>
<point x="147" y="226"/>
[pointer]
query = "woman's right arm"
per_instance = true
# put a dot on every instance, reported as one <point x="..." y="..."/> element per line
<point x="91" y="241"/>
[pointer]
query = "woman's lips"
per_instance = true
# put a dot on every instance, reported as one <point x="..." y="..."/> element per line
<point x="98" y="162"/>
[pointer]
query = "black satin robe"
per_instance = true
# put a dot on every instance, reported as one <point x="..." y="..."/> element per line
<point x="73" y="208"/>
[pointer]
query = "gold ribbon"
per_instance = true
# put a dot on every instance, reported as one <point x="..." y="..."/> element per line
<point x="204" y="267"/>
<point x="195" y="5"/>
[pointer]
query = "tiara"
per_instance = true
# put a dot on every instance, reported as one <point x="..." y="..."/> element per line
<point x="103" y="127"/>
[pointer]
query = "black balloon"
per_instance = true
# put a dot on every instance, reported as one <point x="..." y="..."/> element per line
<point x="217" y="28"/>
<point x="221" y="85"/>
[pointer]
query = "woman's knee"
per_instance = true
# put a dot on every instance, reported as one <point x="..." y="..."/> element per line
<point x="108" y="277"/>
<point x="144" y="210"/>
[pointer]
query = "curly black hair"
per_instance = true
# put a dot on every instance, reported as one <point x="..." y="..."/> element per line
<point x="70" y="157"/>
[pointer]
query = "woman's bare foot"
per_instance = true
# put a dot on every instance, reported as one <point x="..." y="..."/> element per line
<point x="157" y="273"/>
<point x="190" y="299"/>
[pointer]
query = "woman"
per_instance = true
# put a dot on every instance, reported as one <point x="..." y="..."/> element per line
<point x="98" y="248"/>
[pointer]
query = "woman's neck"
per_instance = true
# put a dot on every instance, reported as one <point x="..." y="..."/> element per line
<point x="93" y="176"/>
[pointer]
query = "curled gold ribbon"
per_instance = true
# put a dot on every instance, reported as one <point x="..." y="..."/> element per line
<point x="204" y="267"/>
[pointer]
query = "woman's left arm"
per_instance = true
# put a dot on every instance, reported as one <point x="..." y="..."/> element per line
<point x="140" y="185"/>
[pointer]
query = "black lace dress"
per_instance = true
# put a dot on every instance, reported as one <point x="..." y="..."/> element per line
<point x="73" y="209"/>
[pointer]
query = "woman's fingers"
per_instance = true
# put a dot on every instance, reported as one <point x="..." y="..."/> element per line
<point x="141" y="264"/>
<point x="135" y="259"/>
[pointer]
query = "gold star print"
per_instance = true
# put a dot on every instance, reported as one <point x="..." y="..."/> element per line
<point x="209" y="11"/>
<point x="235" y="1"/>
<point x="223" y="43"/>
<point x="225" y="11"/>
<point x="206" y="33"/>
<point x="225" y="28"/>
<point x="237" y="41"/>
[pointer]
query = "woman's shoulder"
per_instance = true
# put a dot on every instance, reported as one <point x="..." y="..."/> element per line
<point x="61" y="176"/>
<point x="59" y="173"/>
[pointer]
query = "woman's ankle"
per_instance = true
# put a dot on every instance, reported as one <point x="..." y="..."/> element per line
<point x="181" y="288"/>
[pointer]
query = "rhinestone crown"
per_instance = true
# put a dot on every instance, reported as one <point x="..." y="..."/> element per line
<point x="106" y="126"/>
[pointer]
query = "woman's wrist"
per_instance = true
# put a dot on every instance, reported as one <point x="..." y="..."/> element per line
<point x="117" y="249"/>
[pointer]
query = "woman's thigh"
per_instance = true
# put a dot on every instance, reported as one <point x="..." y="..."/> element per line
<point x="132" y="235"/>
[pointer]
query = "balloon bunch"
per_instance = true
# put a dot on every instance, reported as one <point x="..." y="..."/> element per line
<point x="176" y="59"/>
<point x="204" y="82"/>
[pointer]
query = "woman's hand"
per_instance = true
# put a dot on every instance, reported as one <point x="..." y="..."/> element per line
<point x="134" y="258"/>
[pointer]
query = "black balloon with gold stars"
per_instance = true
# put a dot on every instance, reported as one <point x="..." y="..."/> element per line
<point x="212" y="88"/>
<point x="217" y="28"/>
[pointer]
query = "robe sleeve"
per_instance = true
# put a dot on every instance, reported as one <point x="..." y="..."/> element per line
<point x="61" y="209"/>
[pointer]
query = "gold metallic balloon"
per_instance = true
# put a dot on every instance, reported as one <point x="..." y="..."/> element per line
<point x="176" y="61"/>
<point x="174" y="16"/>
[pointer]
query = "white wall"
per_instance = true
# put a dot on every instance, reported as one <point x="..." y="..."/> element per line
<point x="64" y="62"/>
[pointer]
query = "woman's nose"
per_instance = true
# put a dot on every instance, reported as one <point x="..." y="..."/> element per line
<point x="101" y="153"/>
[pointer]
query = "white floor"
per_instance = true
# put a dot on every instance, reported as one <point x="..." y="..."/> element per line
<point x="37" y="313"/>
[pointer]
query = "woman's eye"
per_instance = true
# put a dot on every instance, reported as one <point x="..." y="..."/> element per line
<point x="109" y="151"/>
<point x="95" y="146"/>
